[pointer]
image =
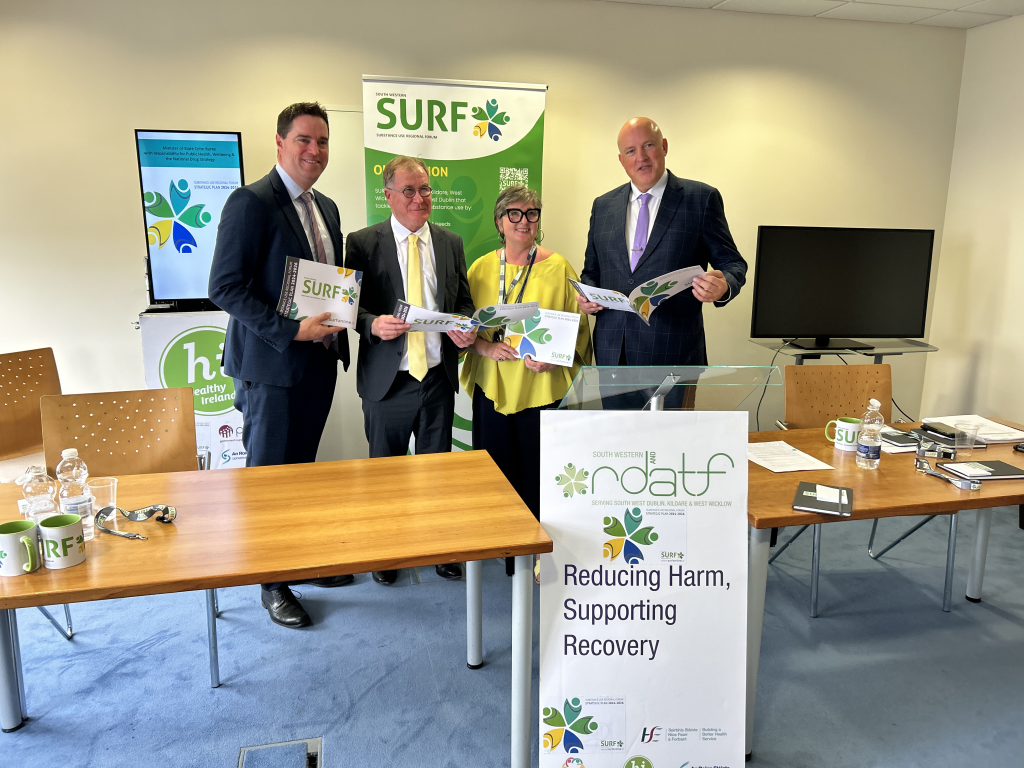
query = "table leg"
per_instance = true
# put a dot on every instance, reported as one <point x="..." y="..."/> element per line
<point x="474" y="615"/>
<point x="815" y="562"/>
<point x="947" y="592"/>
<point x="522" y="660"/>
<point x="211" y="629"/>
<point x="757" y="582"/>
<point x="18" y="669"/>
<point x="12" y="717"/>
<point x="982" y="526"/>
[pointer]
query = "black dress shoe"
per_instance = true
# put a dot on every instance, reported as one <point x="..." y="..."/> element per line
<point x="449" y="571"/>
<point x="385" y="577"/>
<point x="331" y="581"/>
<point x="284" y="608"/>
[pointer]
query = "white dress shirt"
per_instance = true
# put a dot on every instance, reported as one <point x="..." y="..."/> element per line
<point x="428" y="270"/>
<point x="633" y="209"/>
<point x="295" y="191"/>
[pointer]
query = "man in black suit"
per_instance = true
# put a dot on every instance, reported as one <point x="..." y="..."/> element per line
<point x="408" y="380"/>
<point x="657" y="223"/>
<point x="284" y="370"/>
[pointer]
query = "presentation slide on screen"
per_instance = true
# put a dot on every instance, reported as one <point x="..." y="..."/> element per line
<point x="186" y="178"/>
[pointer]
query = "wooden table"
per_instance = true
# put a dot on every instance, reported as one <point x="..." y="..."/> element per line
<point x="894" y="489"/>
<point x="298" y="522"/>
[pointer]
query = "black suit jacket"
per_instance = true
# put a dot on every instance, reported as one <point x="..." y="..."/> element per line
<point x="258" y="228"/>
<point x="373" y="252"/>
<point x="690" y="229"/>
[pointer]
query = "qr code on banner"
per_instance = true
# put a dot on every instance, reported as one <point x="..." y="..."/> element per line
<point x="509" y="176"/>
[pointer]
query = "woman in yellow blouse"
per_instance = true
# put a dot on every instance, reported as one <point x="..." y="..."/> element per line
<point x="509" y="393"/>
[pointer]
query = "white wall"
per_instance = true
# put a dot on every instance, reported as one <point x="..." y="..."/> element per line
<point x="980" y="323"/>
<point x="797" y="121"/>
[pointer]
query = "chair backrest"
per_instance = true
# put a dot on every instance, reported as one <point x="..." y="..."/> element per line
<point x="24" y="378"/>
<point x="122" y="433"/>
<point x="816" y="394"/>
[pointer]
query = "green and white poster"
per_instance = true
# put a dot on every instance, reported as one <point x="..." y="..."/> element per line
<point x="476" y="138"/>
<point x="185" y="349"/>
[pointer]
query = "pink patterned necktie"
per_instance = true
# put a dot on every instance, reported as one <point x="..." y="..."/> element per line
<point x="321" y="252"/>
<point x="643" y="222"/>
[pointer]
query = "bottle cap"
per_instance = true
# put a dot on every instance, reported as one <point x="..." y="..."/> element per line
<point x="873" y="404"/>
<point x="69" y="453"/>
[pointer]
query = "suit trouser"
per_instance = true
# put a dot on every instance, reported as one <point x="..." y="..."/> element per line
<point x="283" y="425"/>
<point x="422" y="408"/>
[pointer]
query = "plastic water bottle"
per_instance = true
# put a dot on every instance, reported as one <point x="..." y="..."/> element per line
<point x="74" y="496"/>
<point x="869" y="444"/>
<point x="40" y="492"/>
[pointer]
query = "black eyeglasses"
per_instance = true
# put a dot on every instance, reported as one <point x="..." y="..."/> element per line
<point x="515" y="215"/>
<point x="410" y="193"/>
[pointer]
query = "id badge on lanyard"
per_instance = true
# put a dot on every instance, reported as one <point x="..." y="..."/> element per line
<point x="499" y="333"/>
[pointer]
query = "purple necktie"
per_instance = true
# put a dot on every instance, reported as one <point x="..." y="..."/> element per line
<point x="321" y="253"/>
<point x="643" y="222"/>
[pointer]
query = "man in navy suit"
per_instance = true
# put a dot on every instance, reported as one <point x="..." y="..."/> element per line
<point x="657" y="223"/>
<point x="284" y="370"/>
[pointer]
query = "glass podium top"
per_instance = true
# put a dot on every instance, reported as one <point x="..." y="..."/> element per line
<point x="685" y="388"/>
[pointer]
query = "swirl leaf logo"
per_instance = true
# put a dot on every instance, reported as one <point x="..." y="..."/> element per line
<point x="627" y="535"/>
<point x="2" y="554"/>
<point x="490" y="118"/>
<point x="573" y="481"/>
<point x="524" y="336"/>
<point x="174" y="217"/>
<point x="349" y="295"/>
<point x="488" y="317"/>
<point x="651" y="295"/>
<point x="566" y="724"/>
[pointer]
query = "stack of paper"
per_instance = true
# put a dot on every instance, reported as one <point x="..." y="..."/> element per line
<point x="988" y="430"/>
<point x="779" y="456"/>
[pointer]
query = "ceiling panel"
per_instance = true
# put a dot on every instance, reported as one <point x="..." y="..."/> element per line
<point x="896" y="14"/>
<point x="1001" y="7"/>
<point x="961" y="19"/>
<point x="677" y="3"/>
<point x="942" y="5"/>
<point x="785" y="7"/>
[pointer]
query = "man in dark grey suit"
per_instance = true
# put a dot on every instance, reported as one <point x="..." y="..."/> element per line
<point x="408" y="380"/>
<point x="284" y="370"/>
<point x="657" y="223"/>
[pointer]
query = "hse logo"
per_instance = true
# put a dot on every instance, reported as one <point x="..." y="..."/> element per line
<point x="490" y="118"/>
<point x="656" y="480"/>
<point x="631" y="529"/>
<point x="639" y="761"/>
<point x="437" y="115"/>
<point x="193" y="359"/>
<point x="651" y="295"/>
<point x="524" y="336"/>
<point x="573" y="481"/>
<point x="649" y="735"/>
<point x="174" y="217"/>
<point x="566" y="724"/>
<point x="227" y="456"/>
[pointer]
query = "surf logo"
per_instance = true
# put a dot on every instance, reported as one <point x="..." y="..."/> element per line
<point x="651" y="295"/>
<point x="490" y="118"/>
<point x="566" y="725"/>
<point x="524" y="336"/>
<point x="573" y="481"/>
<point x="627" y="535"/>
<point x="489" y="317"/>
<point x="174" y="217"/>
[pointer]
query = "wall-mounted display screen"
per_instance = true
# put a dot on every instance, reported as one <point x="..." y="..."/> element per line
<point x="186" y="177"/>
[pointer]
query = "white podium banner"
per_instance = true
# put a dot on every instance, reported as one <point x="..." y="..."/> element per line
<point x="643" y="602"/>
<point x="185" y="349"/>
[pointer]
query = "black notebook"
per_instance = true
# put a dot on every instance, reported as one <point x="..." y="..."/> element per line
<point x="824" y="499"/>
<point x="983" y="470"/>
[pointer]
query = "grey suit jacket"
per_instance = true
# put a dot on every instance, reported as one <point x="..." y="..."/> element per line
<point x="373" y="252"/>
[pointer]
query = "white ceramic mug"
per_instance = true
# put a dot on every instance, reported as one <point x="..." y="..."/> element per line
<point x="847" y="432"/>
<point x="18" y="549"/>
<point x="63" y="541"/>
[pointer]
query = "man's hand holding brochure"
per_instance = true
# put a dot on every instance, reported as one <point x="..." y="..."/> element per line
<point x="645" y="299"/>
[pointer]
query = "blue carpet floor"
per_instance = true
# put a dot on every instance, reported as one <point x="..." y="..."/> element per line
<point x="882" y="678"/>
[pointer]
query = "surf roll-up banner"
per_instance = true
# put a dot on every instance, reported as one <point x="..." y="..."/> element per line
<point x="476" y="138"/>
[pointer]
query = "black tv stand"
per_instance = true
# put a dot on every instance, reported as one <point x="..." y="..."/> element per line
<point x="827" y="343"/>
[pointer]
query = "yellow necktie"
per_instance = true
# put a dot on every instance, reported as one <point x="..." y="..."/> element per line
<point x="417" y="343"/>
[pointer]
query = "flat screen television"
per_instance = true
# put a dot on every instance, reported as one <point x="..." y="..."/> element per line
<point x="186" y="176"/>
<point x="810" y="284"/>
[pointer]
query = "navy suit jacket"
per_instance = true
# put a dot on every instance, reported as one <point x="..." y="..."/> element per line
<point x="374" y="253"/>
<point x="690" y="229"/>
<point x="258" y="229"/>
